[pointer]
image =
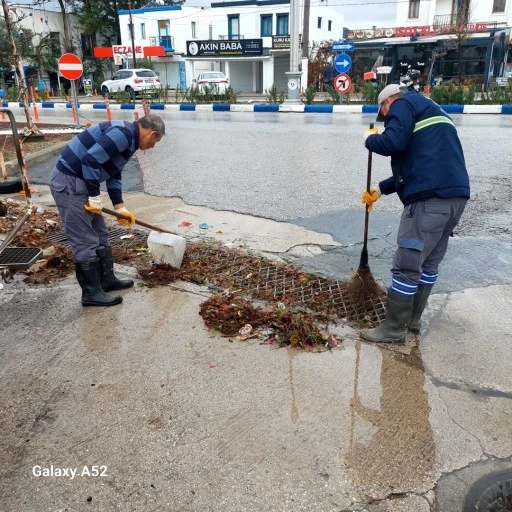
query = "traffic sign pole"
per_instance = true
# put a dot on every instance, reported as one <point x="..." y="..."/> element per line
<point x="70" y="67"/>
<point x="75" y="102"/>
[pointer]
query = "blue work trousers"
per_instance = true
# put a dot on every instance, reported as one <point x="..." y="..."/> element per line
<point x="425" y="227"/>
<point x="85" y="231"/>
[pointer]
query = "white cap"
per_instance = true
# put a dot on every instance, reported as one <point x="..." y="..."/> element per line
<point x="389" y="90"/>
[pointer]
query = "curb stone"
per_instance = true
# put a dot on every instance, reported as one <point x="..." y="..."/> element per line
<point x="267" y="107"/>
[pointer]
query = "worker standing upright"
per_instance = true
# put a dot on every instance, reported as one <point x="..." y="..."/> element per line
<point x="431" y="180"/>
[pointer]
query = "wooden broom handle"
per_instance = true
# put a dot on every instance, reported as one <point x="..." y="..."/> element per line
<point x="139" y="222"/>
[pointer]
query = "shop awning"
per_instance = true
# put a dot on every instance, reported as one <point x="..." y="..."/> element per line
<point x="398" y="40"/>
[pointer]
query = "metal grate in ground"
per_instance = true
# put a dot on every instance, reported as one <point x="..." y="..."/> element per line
<point x="115" y="237"/>
<point x="491" y="493"/>
<point x="19" y="257"/>
<point x="267" y="280"/>
<point x="274" y="280"/>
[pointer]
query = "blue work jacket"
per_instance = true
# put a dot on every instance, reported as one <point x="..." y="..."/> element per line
<point x="426" y="154"/>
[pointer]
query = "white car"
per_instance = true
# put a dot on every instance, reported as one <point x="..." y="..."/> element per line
<point x="133" y="81"/>
<point x="215" y="81"/>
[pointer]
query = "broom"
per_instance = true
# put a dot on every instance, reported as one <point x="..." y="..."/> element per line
<point x="362" y="285"/>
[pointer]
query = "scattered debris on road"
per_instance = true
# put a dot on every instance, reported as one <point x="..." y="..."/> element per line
<point x="280" y="303"/>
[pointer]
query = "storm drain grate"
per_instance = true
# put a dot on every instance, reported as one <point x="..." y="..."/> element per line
<point x="116" y="237"/>
<point x="256" y="277"/>
<point x="278" y="283"/>
<point x="17" y="257"/>
<point x="492" y="493"/>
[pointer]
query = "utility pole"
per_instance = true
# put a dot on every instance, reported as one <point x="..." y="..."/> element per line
<point x="294" y="73"/>
<point x="305" y="29"/>
<point x="131" y="34"/>
<point x="68" y="45"/>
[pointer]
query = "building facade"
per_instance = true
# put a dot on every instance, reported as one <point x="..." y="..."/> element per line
<point x="248" y="40"/>
<point x="465" y="41"/>
<point x="46" y="46"/>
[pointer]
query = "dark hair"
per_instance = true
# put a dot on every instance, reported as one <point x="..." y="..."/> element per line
<point x="152" y="122"/>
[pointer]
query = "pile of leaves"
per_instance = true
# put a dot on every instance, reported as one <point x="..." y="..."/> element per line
<point x="235" y="316"/>
<point x="237" y="279"/>
<point x="57" y="261"/>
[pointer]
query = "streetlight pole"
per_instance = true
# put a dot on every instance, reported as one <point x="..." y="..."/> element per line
<point x="131" y="34"/>
<point x="294" y="74"/>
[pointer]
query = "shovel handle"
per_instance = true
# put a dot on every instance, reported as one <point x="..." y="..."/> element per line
<point x="139" y="222"/>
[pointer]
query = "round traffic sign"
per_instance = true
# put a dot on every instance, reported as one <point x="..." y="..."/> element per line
<point x="342" y="63"/>
<point x="70" y="66"/>
<point x="342" y="83"/>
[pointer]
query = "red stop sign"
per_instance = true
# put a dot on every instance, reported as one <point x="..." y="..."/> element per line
<point x="70" y="66"/>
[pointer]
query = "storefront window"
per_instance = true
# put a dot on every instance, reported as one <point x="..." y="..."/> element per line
<point x="470" y="63"/>
<point x="414" y="56"/>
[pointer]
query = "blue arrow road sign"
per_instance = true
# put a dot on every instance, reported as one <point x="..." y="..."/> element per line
<point x="342" y="47"/>
<point x="342" y="63"/>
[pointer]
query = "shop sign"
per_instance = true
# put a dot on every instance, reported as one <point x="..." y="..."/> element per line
<point x="126" y="50"/>
<point x="422" y="30"/>
<point x="434" y="30"/>
<point x="229" y="48"/>
<point x="281" y="42"/>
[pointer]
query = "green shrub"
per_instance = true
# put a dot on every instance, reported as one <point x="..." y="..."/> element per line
<point x="370" y="93"/>
<point x="334" y="95"/>
<point x="273" y="95"/>
<point x="310" y="94"/>
<point x="498" y="95"/>
<point x="231" y="95"/>
<point x="451" y="94"/>
<point x="123" y="97"/>
<point x="206" y="95"/>
<point x="12" y="94"/>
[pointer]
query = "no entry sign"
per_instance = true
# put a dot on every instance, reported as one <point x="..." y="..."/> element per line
<point x="70" y="66"/>
<point x="342" y="83"/>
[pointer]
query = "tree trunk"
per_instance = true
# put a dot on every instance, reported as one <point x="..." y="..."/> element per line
<point x="118" y="29"/>
<point x="31" y="129"/>
<point x="68" y="43"/>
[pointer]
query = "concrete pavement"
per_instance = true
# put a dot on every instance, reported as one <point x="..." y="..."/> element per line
<point x="173" y="417"/>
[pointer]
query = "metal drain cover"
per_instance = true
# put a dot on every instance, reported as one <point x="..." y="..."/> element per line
<point x="19" y="257"/>
<point x="491" y="493"/>
<point x="114" y="237"/>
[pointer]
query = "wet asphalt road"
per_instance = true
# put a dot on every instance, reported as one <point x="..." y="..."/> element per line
<point x="310" y="170"/>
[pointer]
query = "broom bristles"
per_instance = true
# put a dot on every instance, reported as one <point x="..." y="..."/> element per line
<point x="361" y="288"/>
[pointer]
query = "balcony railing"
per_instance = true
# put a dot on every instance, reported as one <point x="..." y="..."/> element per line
<point x="445" y="21"/>
<point x="167" y="42"/>
<point x="233" y="36"/>
<point x="450" y="20"/>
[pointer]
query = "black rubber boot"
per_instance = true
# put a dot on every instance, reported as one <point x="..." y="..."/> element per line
<point x="392" y="330"/>
<point x="418" y="305"/>
<point x="88" y="276"/>
<point x="109" y="281"/>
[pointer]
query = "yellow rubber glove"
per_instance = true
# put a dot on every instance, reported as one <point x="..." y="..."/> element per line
<point x="370" y="131"/>
<point x="130" y="218"/>
<point x="95" y="205"/>
<point x="368" y="198"/>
